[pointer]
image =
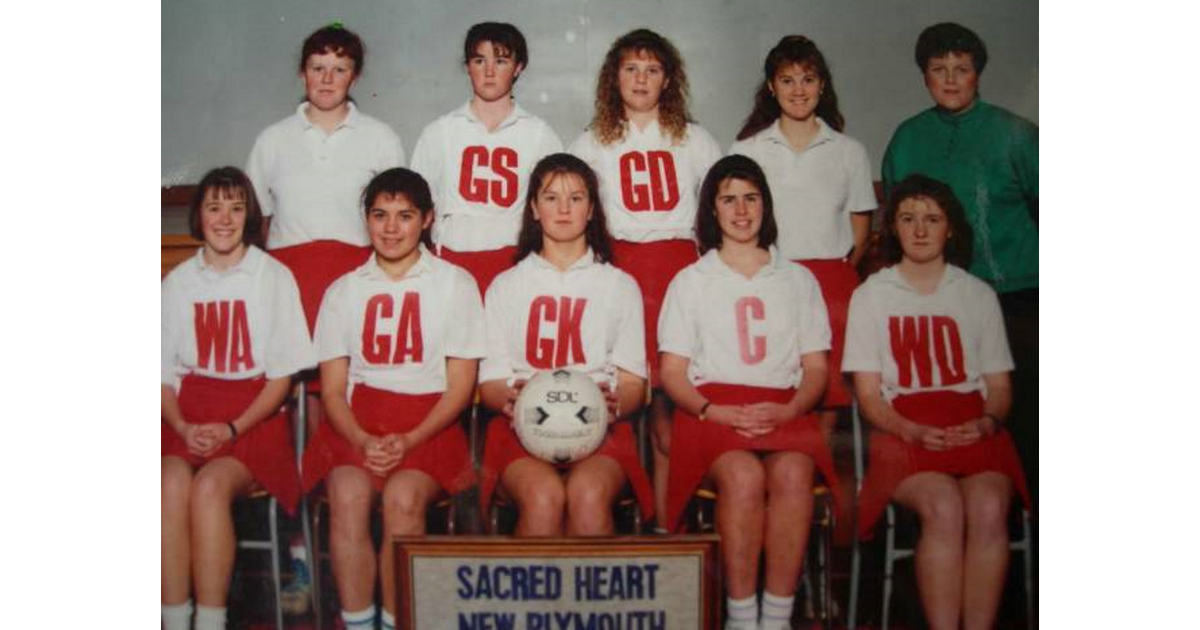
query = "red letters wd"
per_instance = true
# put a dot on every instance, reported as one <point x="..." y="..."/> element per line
<point x="662" y="195"/>
<point x="566" y="348"/>
<point x="923" y="341"/>
<point x="408" y="344"/>
<point x="498" y="192"/>
<point x="225" y="337"/>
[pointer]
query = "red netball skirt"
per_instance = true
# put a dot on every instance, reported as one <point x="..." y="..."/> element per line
<point x="893" y="460"/>
<point x="837" y="279"/>
<point x="315" y="266"/>
<point x="266" y="449"/>
<point x="701" y="443"/>
<point x="503" y="448"/>
<point x="484" y="266"/>
<point x="653" y="265"/>
<point x="444" y="457"/>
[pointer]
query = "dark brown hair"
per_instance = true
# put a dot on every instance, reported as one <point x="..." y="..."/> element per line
<point x="228" y="181"/>
<point x="958" y="246"/>
<point x="608" y="123"/>
<point x="502" y="35"/>
<point x="942" y="39"/>
<point x="792" y="49"/>
<point x="335" y="39"/>
<point x="401" y="181"/>
<point x="555" y="165"/>
<point x="708" y="229"/>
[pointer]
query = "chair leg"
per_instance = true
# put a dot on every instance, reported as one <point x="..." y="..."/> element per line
<point x="1029" y="617"/>
<point x="827" y="562"/>
<point x="311" y="548"/>
<point x="855" y="576"/>
<point x="888" y="566"/>
<point x="275" y="562"/>
<point x="316" y="567"/>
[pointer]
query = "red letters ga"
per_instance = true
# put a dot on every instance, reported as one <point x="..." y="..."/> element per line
<point x="223" y="336"/>
<point x="920" y="342"/>
<point x="497" y="192"/>
<point x="409" y="345"/>
<point x="566" y="348"/>
<point x="662" y="195"/>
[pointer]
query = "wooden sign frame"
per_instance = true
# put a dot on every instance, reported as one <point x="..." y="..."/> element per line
<point x="410" y="550"/>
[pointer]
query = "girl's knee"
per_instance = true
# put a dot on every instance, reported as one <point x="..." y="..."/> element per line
<point x="176" y="483"/>
<point x="792" y="473"/>
<point x="210" y="491"/>
<point x="942" y="512"/>
<point x="544" y="497"/>
<point x="988" y="512"/>
<point x="404" y="508"/>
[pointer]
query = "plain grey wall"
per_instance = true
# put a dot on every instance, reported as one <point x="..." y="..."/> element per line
<point x="229" y="67"/>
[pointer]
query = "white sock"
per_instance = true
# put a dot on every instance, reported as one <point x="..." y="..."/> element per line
<point x="359" y="619"/>
<point x="177" y="616"/>
<point x="298" y="550"/>
<point x="776" y="612"/>
<point x="210" y="618"/>
<point x="741" y="614"/>
<point x="389" y="621"/>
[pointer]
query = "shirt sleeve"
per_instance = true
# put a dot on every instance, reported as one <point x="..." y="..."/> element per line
<point x="289" y="348"/>
<point x="170" y="333"/>
<point x="815" y="335"/>
<point x="393" y="151"/>
<point x="862" y="336"/>
<point x="1025" y="159"/>
<point x="581" y="148"/>
<point x="496" y="364"/>
<point x="994" y="353"/>
<point x="551" y="143"/>
<point x="861" y="196"/>
<point x="887" y="172"/>
<point x="258" y="169"/>
<point x="707" y="152"/>
<point x="467" y="337"/>
<point x="427" y="161"/>
<point x="330" y="337"/>
<point x="677" y="330"/>
<point x="629" y="347"/>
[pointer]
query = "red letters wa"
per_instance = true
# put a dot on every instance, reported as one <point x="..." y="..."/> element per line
<point x="566" y="347"/>
<point x="921" y="342"/>
<point x="223" y="336"/>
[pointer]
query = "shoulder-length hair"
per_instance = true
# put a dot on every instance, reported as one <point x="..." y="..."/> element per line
<point x="228" y="181"/>
<point x="608" y="124"/>
<point x="401" y="181"/>
<point x="555" y="165"/>
<point x="958" y="246"/>
<point x="708" y="229"/>
<point x="792" y="49"/>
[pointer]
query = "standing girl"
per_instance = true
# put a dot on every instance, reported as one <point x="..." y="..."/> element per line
<point x="650" y="158"/>
<point x="821" y="180"/>
<point x="233" y="334"/>
<point x="311" y="166"/>
<point x="399" y="339"/>
<point x="931" y="368"/>
<point x="564" y="306"/>
<point x="744" y="341"/>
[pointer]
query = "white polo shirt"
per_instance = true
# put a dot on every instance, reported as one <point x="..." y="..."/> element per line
<point x="920" y="343"/>
<point x="588" y="317"/>
<point x="648" y="185"/>
<point x="240" y="323"/>
<point x="311" y="182"/>
<point x="814" y="190"/>
<point x="743" y="331"/>
<point x="398" y="333"/>
<point x="479" y="178"/>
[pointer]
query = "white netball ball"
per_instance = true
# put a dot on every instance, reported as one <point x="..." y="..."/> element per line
<point x="561" y="416"/>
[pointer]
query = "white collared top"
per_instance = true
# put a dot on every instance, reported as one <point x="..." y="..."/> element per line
<point x="648" y="185"/>
<point x="743" y="331"/>
<point x="479" y="178"/>
<point x="814" y="190"/>
<point x="398" y="333"/>
<point x="240" y="323"/>
<point x="944" y="341"/>
<point x="588" y="317"/>
<point x="310" y="182"/>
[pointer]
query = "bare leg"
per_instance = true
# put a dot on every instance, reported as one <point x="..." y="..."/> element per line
<point x="986" y="499"/>
<point x="539" y="494"/>
<point x="214" y="542"/>
<point x="406" y="497"/>
<point x="937" y="500"/>
<point x="789" y="478"/>
<point x="176" y="530"/>
<point x="350" y="549"/>
<point x="741" y="507"/>
<point x="660" y="424"/>
<point x="592" y="487"/>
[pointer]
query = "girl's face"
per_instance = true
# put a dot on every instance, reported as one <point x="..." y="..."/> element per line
<point x="395" y="226"/>
<point x="952" y="81"/>
<point x="641" y="79"/>
<point x="739" y="211"/>
<point x="922" y="228"/>
<point x="492" y="74"/>
<point x="327" y="80"/>
<point x="563" y="208"/>
<point x="223" y="220"/>
<point x="797" y="89"/>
